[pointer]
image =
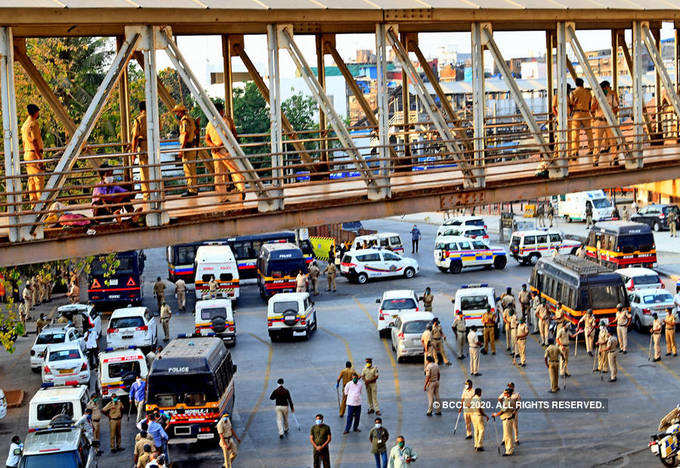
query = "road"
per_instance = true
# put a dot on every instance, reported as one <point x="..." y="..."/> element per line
<point x="643" y="393"/>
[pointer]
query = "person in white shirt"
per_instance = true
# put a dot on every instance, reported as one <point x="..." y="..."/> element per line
<point x="181" y="294"/>
<point x="92" y="347"/>
<point x="85" y="422"/>
<point x="474" y="343"/>
<point x="676" y="299"/>
<point x="301" y="282"/>
<point x="16" y="448"/>
<point x="353" y="390"/>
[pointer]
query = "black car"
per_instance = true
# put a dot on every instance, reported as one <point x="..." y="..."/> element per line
<point x="655" y="216"/>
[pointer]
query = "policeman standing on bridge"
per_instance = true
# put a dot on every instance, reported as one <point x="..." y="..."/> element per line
<point x="223" y="163"/>
<point x="139" y="145"/>
<point x="187" y="140"/>
<point x="33" y="151"/>
<point x="580" y="102"/>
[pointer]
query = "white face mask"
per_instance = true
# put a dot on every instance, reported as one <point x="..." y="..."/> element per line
<point x="378" y="425"/>
<point x="108" y="180"/>
<point x="318" y="421"/>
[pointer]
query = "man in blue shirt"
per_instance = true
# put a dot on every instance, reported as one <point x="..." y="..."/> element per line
<point x="160" y="437"/>
<point x="137" y="394"/>
<point x="415" y="237"/>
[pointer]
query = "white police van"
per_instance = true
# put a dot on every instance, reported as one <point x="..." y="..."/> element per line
<point x="528" y="246"/>
<point x="572" y="206"/>
<point x="472" y="300"/>
<point x="361" y="265"/>
<point x="453" y="253"/>
<point x="118" y="370"/>
<point x="50" y="401"/>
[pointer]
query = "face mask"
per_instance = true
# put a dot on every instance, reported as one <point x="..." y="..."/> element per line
<point x="355" y="380"/>
<point x="368" y="364"/>
<point x="318" y="422"/>
<point x="108" y="180"/>
<point x="378" y="425"/>
<point x="401" y="444"/>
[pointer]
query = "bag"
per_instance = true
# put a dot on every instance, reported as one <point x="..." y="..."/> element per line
<point x="74" y="219"/>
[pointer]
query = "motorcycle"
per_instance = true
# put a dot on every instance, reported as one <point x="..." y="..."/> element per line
<point x="666" y="444"/>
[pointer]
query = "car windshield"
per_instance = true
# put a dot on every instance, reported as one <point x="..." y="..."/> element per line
<point x="398" y="304"/>
<point x="657" y="298"/>
<point x="601" y="203"/>
<point x="170" y="390"/>
<point x="210" y="313"/>
<point x="281" y="307"/>
<point x="121" y="369"/>
<point x="474" y="222"/>
<point x="646" y="279"/>
<point x="127" y="322"/>
<point x="64" y="355"/>
<point x="473" y="302"/>
<point x="630" y="243"/>
<point x="415" y="327"/>
<point x="288" y="267"/>
<point x="475" y="232"/>
<point x="51" y="338"/>
<point x="53" y="460"/>
<point x="46" y="411"/>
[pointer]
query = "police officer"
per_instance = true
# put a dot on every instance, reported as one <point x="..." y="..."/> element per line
<point x="558" y="317"/>
<point x="474" y="344"/>
<point x="345" y="376"/>
<point x="93" y="404"/>
<point x="166" y="314"/>
<point x="513" y="334"/>
<point x="604" y="136"/>
<point x="139" y="145"/>
<point x="181" y="294"/>
<point x="432" y="387"/>
<point x="589" y="327"/>
<point x="159" y="292"/>
<point x="437" y="342"/>
<point x="465" y="398"/>
<point x="187" y="140"/>
<point x="459" y="328"/>
<point x="212" y="287"/>
<point x="562" y="339"/>
<point x="114" y="411"/>
<point x="507" y="317"/>
<point x="525" y="303"/>
<point x="40" y="324"/>
<point x="227" y="436"/>
<point x="552" y="362"/>
<point x="673" y="223"/>
<point x="589" y="214"/>
<point x="426" y="341"/>
<point x="610" y="349"/>
<point x="427" y="300"/>
<point x="522" y="333"/>
<point x="507" y="414"/>
<point x="314" y="273"/>
<point x="489" y="324"/>
<point x="507" y="299"/>
<point x="623" y="319"/>
<point x="580" y="102"/>
<point x="551" y="213"/>
<point x="535" y="302"/>
<point x="669" y="324"/>
<point x="370" y="376"/>
<point x="330" y="271"/>
<point x="657" y="325"/>
<point x="602" y="358"/>
<point x="478" y="417"/>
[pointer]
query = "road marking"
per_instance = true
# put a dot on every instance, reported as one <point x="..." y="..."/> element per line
<point x="395" y="371"/>
<point x="267" y="373"/>
<point x="640" y="388"/>
<point x="661" y="363"/>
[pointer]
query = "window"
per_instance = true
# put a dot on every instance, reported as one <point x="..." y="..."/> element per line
<point x="47" y="411"/>
<point x="121" y="369"/>
<point x="283" y="306"/>
<point x="646" y="280"/>
<point x="635" y="242"/>
<point x="657" y="298"/>
<point x="555" y="238"/>
<point x="226" y="276"/>
<point x="127" y="322"/>
<point x="210" y="313"/>
<point x="602" y="203"/>
<point x="474" y="303"/>
<point x="395" y="240"/>
<point x="398" y="304"/>
<point x="415" y="327"/>
<point x="384" y="242"/>
<point x="64" y="355"/>
<point x="529" y="240"/>
<point x="186" y="255"/>
<point x="542" y="239"/>
<point x="51" y="338"/>
<point x="391" y="256"/>
<point x="306" y="304"/>
<point x="515" y="241"/>
<point x="347" y="259"/>
<point x="242" y="250"/>
<point x="147" y="316"/>
<point x="474" y="222"/>
<point x="477" y="245"/>
<point x="464" y="245"/>
<point x="372" y="257"/>
<point x="605" y="296"/>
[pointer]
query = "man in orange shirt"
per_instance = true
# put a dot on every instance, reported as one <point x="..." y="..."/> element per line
<point x="580" y="103"/>
<point x="224" y="165"/>
<point x="33" y="151"/>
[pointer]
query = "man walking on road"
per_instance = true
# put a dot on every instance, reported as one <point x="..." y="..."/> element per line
<point x="227" y="436"/>
<point x="159" y="292"/>
<point x="353" y="390"/>
<point x="314" y="273"/>
<point x="552" y="362"/>
<point x="401" y="455"/>
<point x="474" y="343"/>
<point x="320" y="437"/>
<point x="138" y="394"/>
<point x="370" y="377"/>
<point x="415" y="238"/>
<point x="281" y="396"/>
<point x="623" y="320"/>
<point x="331" y="271"/>
<point x="378" y="439"/>
<point x="181" y="294"/>
<point x="437" y="342"/>
<point x="432" y="387"/>
<point x="525" y="303"/>
<point x="345" y="377"/>
<point x="166" y="314"/>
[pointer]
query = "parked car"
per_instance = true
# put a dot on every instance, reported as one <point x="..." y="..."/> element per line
<point x="645" y="302"/>
<point x="65" y="364"/>
<point x="132" y="326"/>
<point x="406" y="331"/>
<point x="52" y="335"/>
<point x="640" y="278"/>
<point x="291" y="315"/>
<point x="655" y="216"/>
<point x="392" y="304"/>
<point x="360" y="265"/>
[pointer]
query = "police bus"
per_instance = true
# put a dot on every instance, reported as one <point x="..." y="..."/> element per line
<point x="192" y="383"/>
<point x="277" y="268"/>
<point x="579" y="285"/>
<point x="621" y="244"/>
<point x="181" y="257"/>
<point x="124" y="285"/>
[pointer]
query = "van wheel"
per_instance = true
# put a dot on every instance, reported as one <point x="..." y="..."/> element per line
<point x="456" y="267"/>
<point x="500" y="262"/>
<point x="442" y="269"/>
<point x="409" y="273"/>
<point x="533" y="258"/>
<point x="273" y="336"/>
<point x="656" y="226"/>
<point x="362" y="278"/>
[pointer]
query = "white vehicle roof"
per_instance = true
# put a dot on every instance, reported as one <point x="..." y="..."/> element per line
<point x="214" y="254"/>
<point x="455" y="239"/>
<point x="536" y="232"/>
<point x="75" y="307"/>
<point x="128" y="312"/>
<point x="54" y="329"/>
<point x="366" y="251"/>
<point x="398" y="294"/>
<point x="58" y="394"/>
<point x="376" y="235"/>
<point x="293" y="296"/>
<point x="474" y="291"/>
<point x="205" y="303"/>
<point x="279" y="246"/>
<point x="57" y="440"/>
<point x="112" y="356"/>
<point x="461" y="218"/>
<point x="411" y="316"/>
<point x="60" y="346"/>
<point x="635" y="271"/>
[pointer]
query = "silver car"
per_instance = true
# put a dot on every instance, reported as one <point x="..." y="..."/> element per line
<point x="406" y="330"/>
<point x="645" y="302"/>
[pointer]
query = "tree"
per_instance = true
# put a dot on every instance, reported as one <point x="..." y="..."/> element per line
<point x="300" y="110"/>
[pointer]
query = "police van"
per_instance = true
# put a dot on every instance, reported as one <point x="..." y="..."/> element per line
<point x="386" y="240"/>
<point x="453" y="253"/>
<point x="572" y="206"/>
<point x="216" y="261"/>
<point x="214" y="317"/>
<point x="118" y="370"/>
<point x="291" y="315"/>
<point x="60" y="445"/>
<point x="50" y="401"/>
<point x="472" y="300"/>
<point x="528" y="246"/>
<point x="472" y="232"/>
<point x="465" y="220"/>
<point x="361" y="265"/>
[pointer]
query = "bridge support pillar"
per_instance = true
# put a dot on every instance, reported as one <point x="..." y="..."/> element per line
<point x="478" y="96"/>
<point x="560" y="166"/>
<point x="635" y="161"/>
<point x="275" y="116"/>
<point x="387" y="155"/>
<point x="10" y="129"/>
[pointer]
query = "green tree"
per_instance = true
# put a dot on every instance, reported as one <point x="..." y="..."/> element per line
<point x="300" y="110"/>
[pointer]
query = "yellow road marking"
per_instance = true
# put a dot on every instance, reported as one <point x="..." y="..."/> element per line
<point x="640" y="388"/>
<point x="267" y="373"/>
<point x="395" y="371"/>
<point x="661" y="363"/>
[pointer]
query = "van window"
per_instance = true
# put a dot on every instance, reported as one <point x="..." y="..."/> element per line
<point x="210" y="313"/>
<point x="206" y="277"/>
<point x="632" y="242"/>
<point x="169" y="390"/>
<point x="605" y="296"/>
<point x="515" y="241"/>
<point x="347" y="259"/>
<point x="243" y="250"/>
<point x="384" y="242"/>
<point x="126" y="322"/>
<point x="464" y="245"/>
<point x="47" y="411"/>
<point x="473" y="302"/>
<point x="474" y="222"/>
<point x="390" y="256"/>
<point x="395" y="240"/>
<point x="226" y="276"/>
<point x="645" y="280"/>
<point x="185" y="255"/>
<point x="555" y="238"/>
<point x="529" y="240"/>
<point x="121" y="369"/>
<point x="281" y="307"/>
<point x="373" y="257"/>
<point x="542" y="239"/>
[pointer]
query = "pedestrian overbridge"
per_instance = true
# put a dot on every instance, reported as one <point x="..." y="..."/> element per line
<point x="422" y="150"/>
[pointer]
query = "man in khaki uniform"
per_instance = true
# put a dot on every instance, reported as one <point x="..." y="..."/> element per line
<point x="580" y="102"/>
<point x="40" y="324"/>
<point x="459" y="328"/>
<point x="552" y="362"/>
<point x="558" y="316"/>
<point x="507" y="299"/>
<point x="525" y="302"/>
<point x="345" y="376"/>
<point x="187" y="139"/>
<point x="602" y="339"/>
<point x="622" y="322"/>
<point x="142" y="439"/>
<point x="114" y="411"/>
<point x="139" y="145"/>
<point x="465" y="397"/>
<point x="181" y="294"/>
<point x="314" y="273"/>
<point x="432" y="387"/>
<point x="222" y="160"/>
<point x="159" y="292"/>
<point x="427" y="299"/>
<point x="437" y="342"/>
<point x="610" y="349"/>
<point x="604" y="136"/>
<point x="669" y="324"/>
<point x="212" y="287"/>
<point x="673" y="223"/>
<point x="513" y="334"/>
<point x="522" y="333"/>
<point x="489" y="323"/>
<point x="369" y="374"/>
<point x="93" y="404"/>
<point x="73" y="293"/>
<point x="33" y="151"/>
<point x="166" y="314"/>
<point x="426" y="341"/>
<point x="588" y="321"/>
<point x="330" y="271"/>
<point x="507" y="414"/>
<point x="515" y="421"/>
<point x="27" y="296"/>
<point x="478" y="417"/>
<point x="474" y="344"/>
<point x="227" y="436"/>
<point x="507" y="320"/>
<point x="562" y="339"/>
<point x="657" y="325"/>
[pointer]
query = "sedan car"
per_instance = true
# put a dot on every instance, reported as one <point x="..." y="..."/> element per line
<point x="645" y="302"/>
<point x="53" y="335"/>
<point x="65" y="364"/>
<point x="392" y="304"/>
<point x="655" y="216"/>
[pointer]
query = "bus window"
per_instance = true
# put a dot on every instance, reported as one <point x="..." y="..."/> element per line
<point x="242" y="250"/>
<point x="185" y="255"/>
<point x="558" y="292"/>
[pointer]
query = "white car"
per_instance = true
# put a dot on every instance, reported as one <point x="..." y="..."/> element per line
<point x="65" y="364"/>
<point x="215" y="317"/>
<point x="362" y="265"/>
<point x="471" y="232"/>
<point x="528" y="246"/>
<point x="645" y="302"/>
<point x="118" y="370"/>
<point x="3" y="404"/>
<point x="51" y="335"/>
<point x="291" y="314"/>
<point x="90" y="316"/>
<point x="386" y="240"/>
<point x="132" y="326"/>
<point x="50" y="401"/>
<point x="640" y="278"/>
<point x="392" y="304"/>
<point x="406" y="331"/>
<point x="472" y="300"/>
<point x="466" y="220"/>
<point x="453" y="253"/>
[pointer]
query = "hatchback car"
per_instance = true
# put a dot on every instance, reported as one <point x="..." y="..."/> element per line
<point x="406" y="331"/>
<point x="65" y="364"/>
<point x="361" y="265"/>
<point x="52" y="335"/>
<point x="655" y="216"/>
<point x="640" y="278"/>
<point x="132" y="326"/>
<point x="392" y="304"/>
<point x="645" y="302"/>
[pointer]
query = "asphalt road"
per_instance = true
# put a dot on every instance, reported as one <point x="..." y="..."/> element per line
<point x="643" y="393"/>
